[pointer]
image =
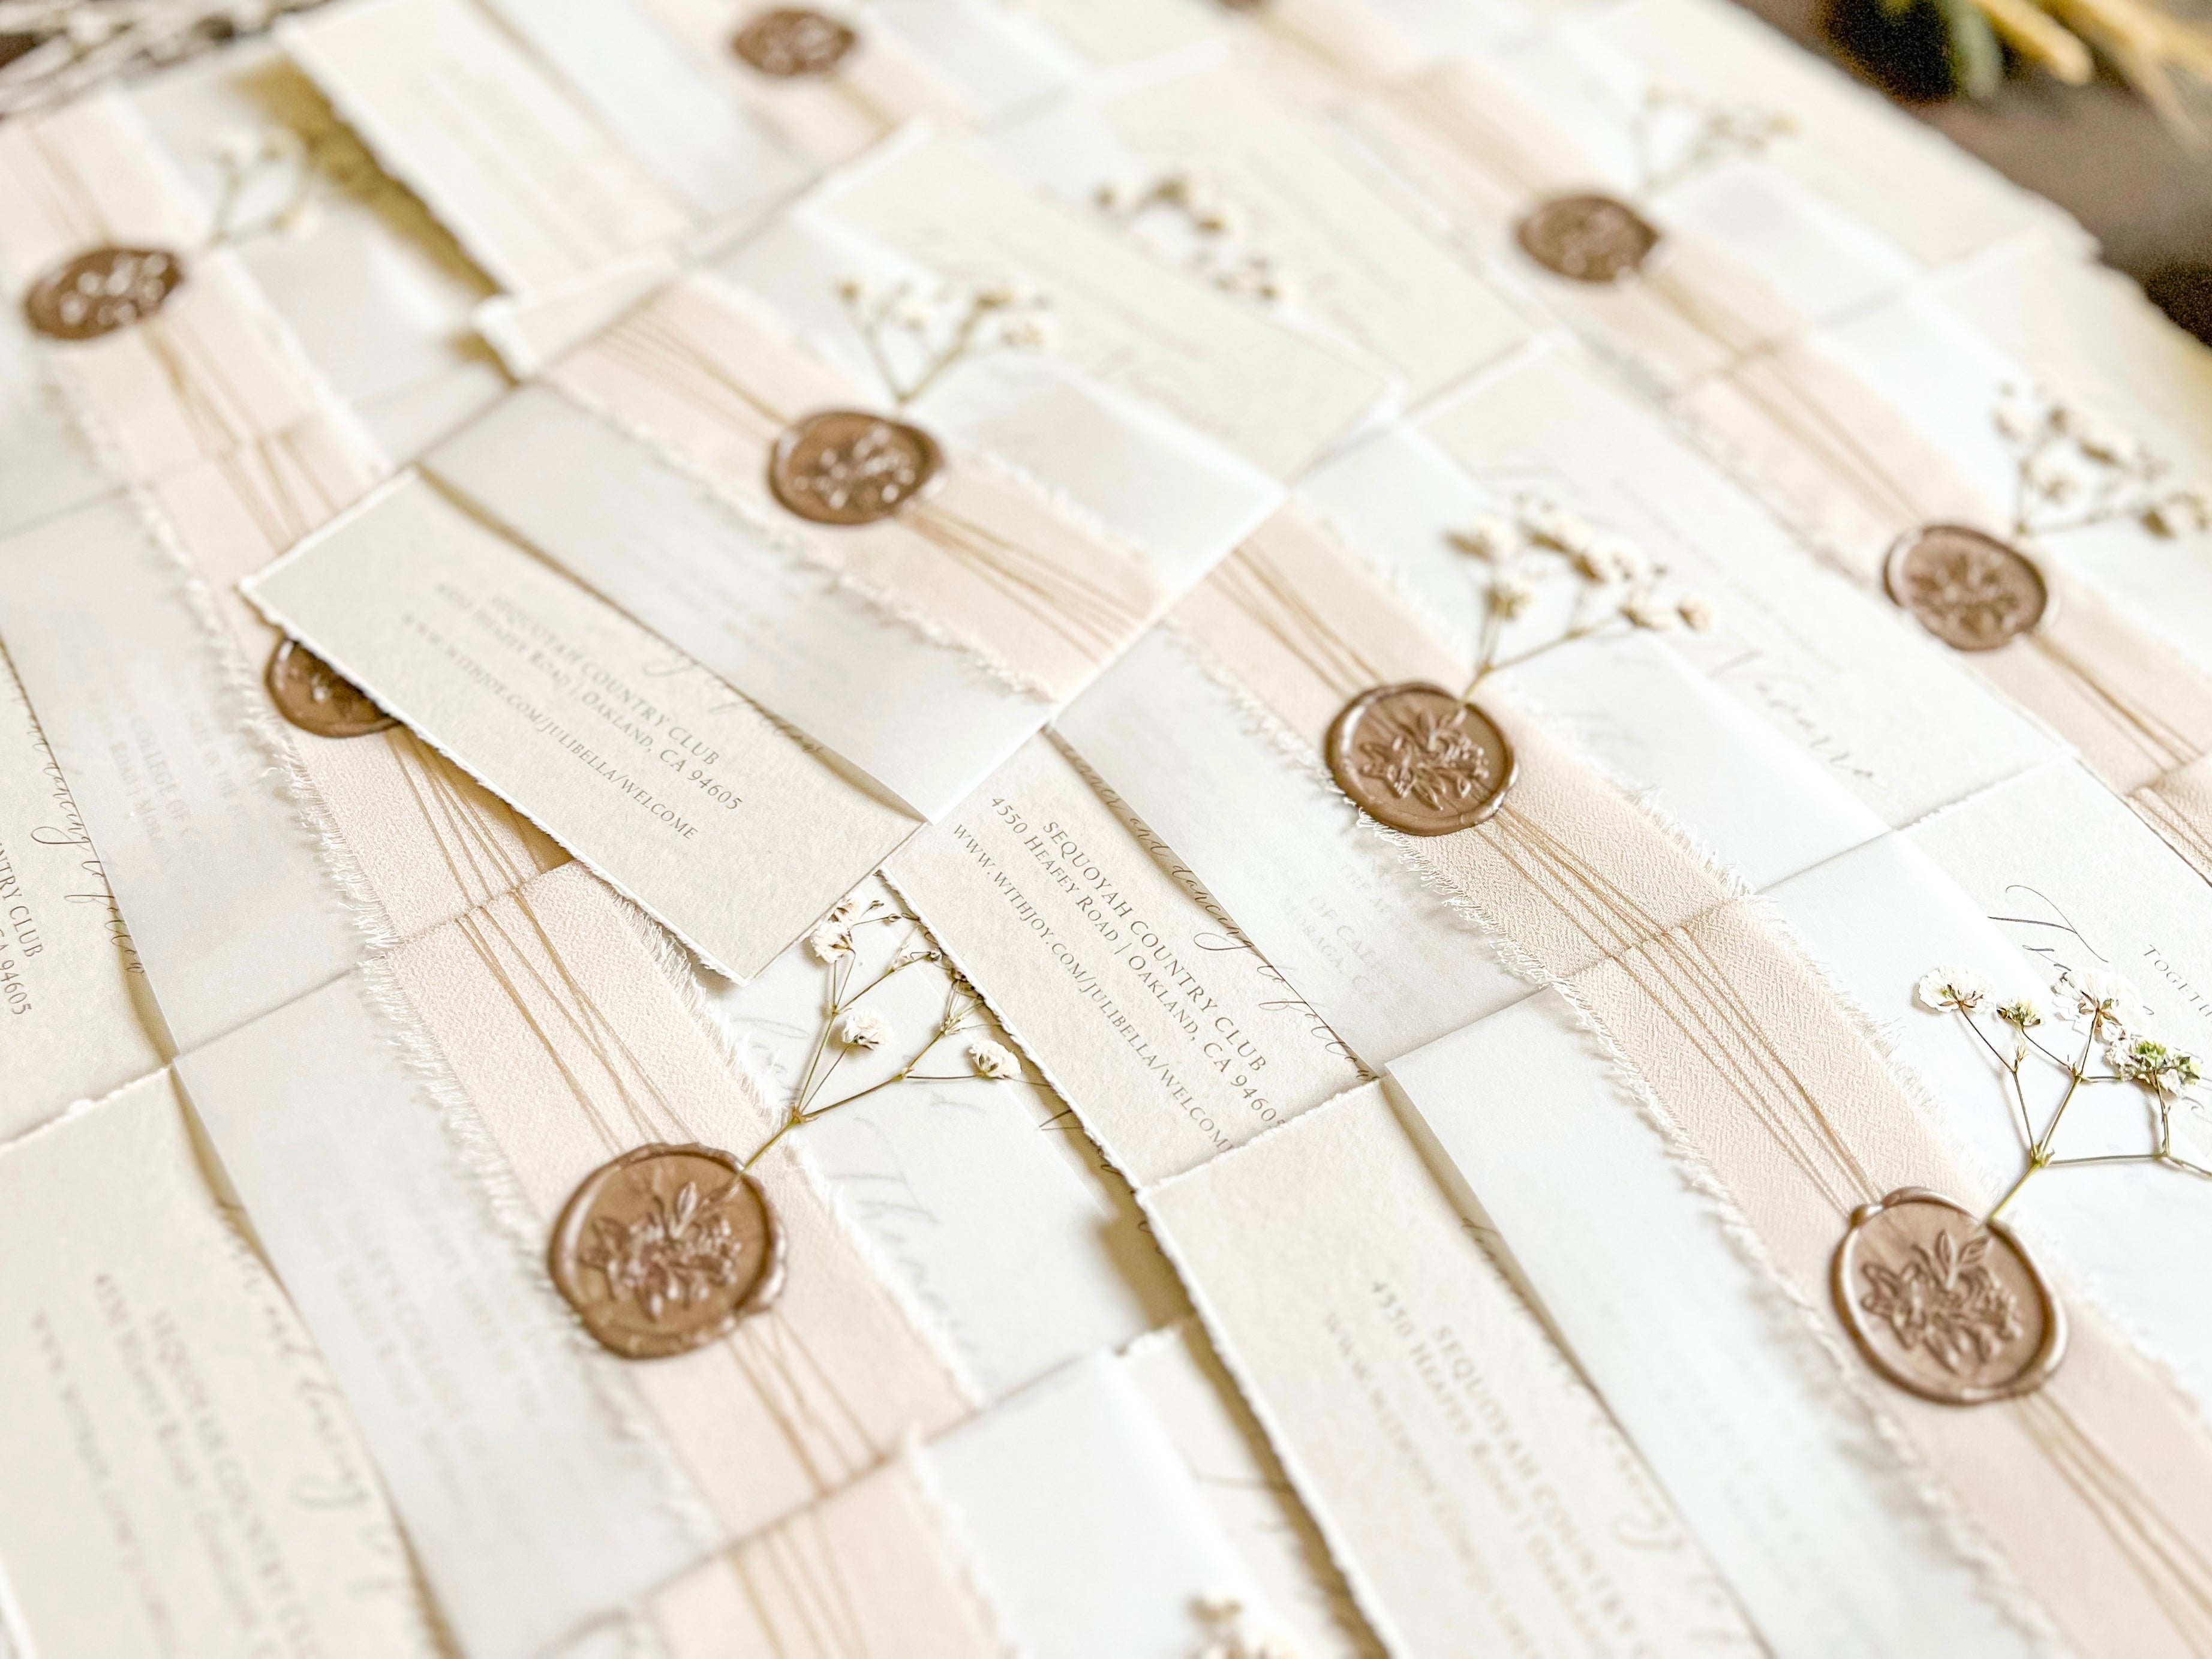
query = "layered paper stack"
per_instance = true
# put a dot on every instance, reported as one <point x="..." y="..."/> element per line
<point x="1115" y="830"/>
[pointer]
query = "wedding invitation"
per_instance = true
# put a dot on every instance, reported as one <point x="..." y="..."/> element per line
<point x="200" y="1483"/>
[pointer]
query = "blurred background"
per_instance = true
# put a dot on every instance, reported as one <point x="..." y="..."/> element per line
<point x="2103" y="106"/>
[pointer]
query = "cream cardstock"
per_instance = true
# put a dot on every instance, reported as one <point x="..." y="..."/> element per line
<point x="188" y="1478"/>
<point x="626" y="754"/>
<point x="1169" y="1034"/>
<point x="1087" y="1532"/>
<point x="536" y="189"/>
<point x="377" y="293"/>
<point x="981" y="1203"/>
<point x="1469" y="1485"/>
<point x="511" y="1445"/>
<point x="1275" y="399"/>
<point x="75" y="1018"/>
<point x="220" y="883"/>
<point x="624" y="66"/>
<point x="1381" y="960"/>
<point x="1361" y="269"/>
<point x="875" y="1570"/>
<point x="1223" y="1447"/>
<point x="1837" y="672"/>
<point x="1717" y="1378"/>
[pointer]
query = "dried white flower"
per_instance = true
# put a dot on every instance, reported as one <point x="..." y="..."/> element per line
<point x="2056" y="475"/>
<point x="863" y="1028"/>
<point x="1556" y="528"/>
<point x="1697" y="614"/>
<point x="238" y="148"/>
<point x="845" y="909"/>
<point x="1119" y="195"/>
<point x="991" y="1060"/>
<point x="2150" y="1063"/>
<point x="1607" y="558"/>
<point x="999" y="297"/>
<point x="2020" y="1014"/>
<point x="1029" y="333"/>
<point x="1648" y="610"/>
<point x="2109" y="1002"/>
<point x="829" y="941"/>
<point x="1280" y="291"/>
<point x="1952" y="990"/>
<point x="1509" y="596"/>
<point x="1492" y="536"/>
<point x="852" y="291"/>
<point x="2022" y="417"/>
<point x="2184" y="512"/>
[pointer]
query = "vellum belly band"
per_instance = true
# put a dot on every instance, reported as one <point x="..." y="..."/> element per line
<point x="986" y="562"/>
<point x="1774" y="1084"/>
<point x="1844" y="466"/>
<point x="1692" y="310"/>
<point x="560" y="1017"/>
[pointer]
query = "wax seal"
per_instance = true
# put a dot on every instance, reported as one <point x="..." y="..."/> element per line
<point x="1968" y="589"/>
<point x="792" y="41"/>
<point x="102" y="290"/>
<point x="1944" y="1304"/>
<point x="1587" y="239"/>
<point x="841" y="467"/>
<point x="1420" y="760"/>
<point x="315" y="697"/>
<point x="666" y="1249"/>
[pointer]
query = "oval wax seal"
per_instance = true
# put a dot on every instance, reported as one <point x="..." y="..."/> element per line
<point x="315" y="697"/>
<point x="1587" y="239"/>
<point x="1970" y="590"/>
<point x="102" y="290"/>
<point x="842" y="466"/>
<point x="1944" y="1304"/>
<point x="1420" y="760"/>
<point x="792" y="41"/>
<point x="666" y="1249"/>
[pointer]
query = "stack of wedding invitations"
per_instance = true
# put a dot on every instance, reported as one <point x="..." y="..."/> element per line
<point x="1103" y="829"/>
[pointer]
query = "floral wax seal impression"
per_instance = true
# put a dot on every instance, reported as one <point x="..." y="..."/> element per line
<point x="1587" y="239"/>
<point x="1968" y="589"/>
<point x="666" y="1249"/>
<point x="315" y="697"/>
<point x="792" y="41"/>
<point x="103" y="290"/>
<point x="1944" y="1304"/>
<point x="841" y="467"/>
<point x="1420" y="760"/>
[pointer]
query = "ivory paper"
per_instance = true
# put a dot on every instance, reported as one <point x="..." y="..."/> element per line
<point x="643" y="766"/>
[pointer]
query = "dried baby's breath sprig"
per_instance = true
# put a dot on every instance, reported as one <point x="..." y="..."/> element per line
<point x="2073" y="469"/>
<point x="850" y="1027"/>
<point x="82" y="43"/>
<point x="1680" y="133"/>
<point x="1616" y="582"/>
<point x="1234" y="1631"/>
<point x="2108" y="1010"/>
<point x="915" y="332"/>
<point x="1183" y="217"/>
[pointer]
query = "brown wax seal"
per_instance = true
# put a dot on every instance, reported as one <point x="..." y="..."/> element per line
<point x="1944" y="1304"/>
<point x="1970" y="590"/>
<point x="666" y="1249"/>
<point x="791" y="41"/>
<point x="1420" y="760"/>
<point x="315" y="697"/>
<point x="98" y="292"/>
<point x="1587" y="239"/>
<point x="841" y="467"/>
